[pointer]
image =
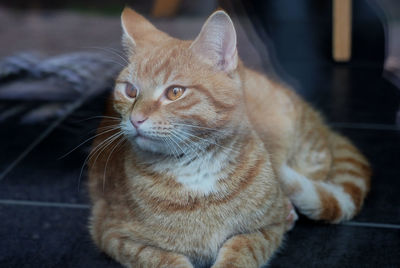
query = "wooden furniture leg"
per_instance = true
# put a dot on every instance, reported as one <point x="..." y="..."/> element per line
<point x="341" y="30"/>
<point x="165" y="8"/>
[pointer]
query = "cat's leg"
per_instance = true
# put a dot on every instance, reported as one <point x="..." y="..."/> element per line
<point x="121" y="240"/>
<point x="308" y="166"/>
<point x="129" y="253"/>
<point x="325" y="176"/>
<point x="251" y="250"/>
<point x="340" y="196"/>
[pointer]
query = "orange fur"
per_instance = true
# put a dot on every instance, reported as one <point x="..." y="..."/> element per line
<point x="207" y="178"/>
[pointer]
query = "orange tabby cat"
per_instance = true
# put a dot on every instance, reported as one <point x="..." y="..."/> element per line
<point x="198" y="156"/>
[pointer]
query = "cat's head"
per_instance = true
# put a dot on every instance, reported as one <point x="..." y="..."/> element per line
<point x="179" y="96"/>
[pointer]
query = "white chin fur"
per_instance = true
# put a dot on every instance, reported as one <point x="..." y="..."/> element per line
<point x="149" y="145"/>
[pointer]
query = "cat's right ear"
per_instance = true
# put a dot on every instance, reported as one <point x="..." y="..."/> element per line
<point x="127" y="19"/>
<point x="138" y="31"/>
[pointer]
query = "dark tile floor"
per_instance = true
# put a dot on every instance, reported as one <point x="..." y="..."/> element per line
<point x="44" y="205"/>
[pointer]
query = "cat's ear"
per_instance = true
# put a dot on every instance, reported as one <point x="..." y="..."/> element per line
<point x="216" y="43"/>
<point x="137" y="30"/>
<point x="128" y="42"/>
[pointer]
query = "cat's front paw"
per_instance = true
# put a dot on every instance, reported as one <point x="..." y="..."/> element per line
<point x="177" y="261"/>
<point x="237" y="263"/>
<point x="235" y="257"/>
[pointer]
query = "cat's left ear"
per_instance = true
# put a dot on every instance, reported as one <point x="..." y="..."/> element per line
<point x="216" y="43"/>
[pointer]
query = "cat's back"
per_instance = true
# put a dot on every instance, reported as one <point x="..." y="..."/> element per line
<point x="272" y="109"/>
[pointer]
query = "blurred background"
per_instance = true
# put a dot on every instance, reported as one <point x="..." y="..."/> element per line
<point x="58" y="60"/>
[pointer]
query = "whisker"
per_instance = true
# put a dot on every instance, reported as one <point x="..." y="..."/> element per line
<point x="208" y="141"/>
<point x="116" y="62"/>
<point x="99" y="116"/>
<point x="104" y="147"/>
<point x="91" y="138"/>
<point x="94" y="151"/>
<point x="173" y="150"/>
<point x="108" y="158"/>
<point x="199" y="127"/>
<point x="105" y="144"/>
<point x="116" y="126"/>
<point x="177" y="144"/>
<point x="191" y="147"/>
<point x="110" y="51"/>
<point x="118" y="52"/>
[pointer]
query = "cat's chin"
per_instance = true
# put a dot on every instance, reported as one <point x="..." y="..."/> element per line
<point x="149" y="145"/>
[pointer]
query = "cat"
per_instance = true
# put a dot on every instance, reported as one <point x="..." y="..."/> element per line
<point x="199" y="159"/>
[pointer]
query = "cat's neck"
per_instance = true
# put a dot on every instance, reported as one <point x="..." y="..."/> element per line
<point x="199" y="171"/>
<point x="202" y="173"/>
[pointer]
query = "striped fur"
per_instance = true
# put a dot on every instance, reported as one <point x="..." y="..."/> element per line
<point x="327" y="168"/>
<point x="209" y="179"/>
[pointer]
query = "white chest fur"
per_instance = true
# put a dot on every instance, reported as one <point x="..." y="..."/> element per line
<point x="202" y="174"/>
<point x="199" y="176"/>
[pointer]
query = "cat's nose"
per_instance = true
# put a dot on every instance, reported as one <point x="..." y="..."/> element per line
<point x="137" y="120"/>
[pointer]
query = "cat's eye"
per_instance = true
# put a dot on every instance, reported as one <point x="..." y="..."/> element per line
<point x="174" y="92"/>
<point x="130" y="90"/>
